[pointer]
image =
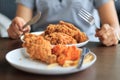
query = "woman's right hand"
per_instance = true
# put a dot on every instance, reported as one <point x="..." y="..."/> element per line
<point x="16" y="28"/>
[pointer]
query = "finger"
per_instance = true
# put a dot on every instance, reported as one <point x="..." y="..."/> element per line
<point x="20" y="25"/>
<point x="107" y="42"/>
<point x="110" y="41"/>
<point x="115" y="40"/>
<point x="20" y="22"/>
<point x="105" y="39"/>
<point x="97" y="33"/>
<point x="17" y="30"/>
<point x="26" y="29"/>
<point x="12" y="34"/>
<point x="101" y="33"/>
<point x="105" y="27"/>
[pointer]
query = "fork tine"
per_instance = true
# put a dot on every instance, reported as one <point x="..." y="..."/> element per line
<point x="86" y="16"/>
<point x="91" y="18"/>
<point x="87" y="13"/>
<point x="83" y="17"/>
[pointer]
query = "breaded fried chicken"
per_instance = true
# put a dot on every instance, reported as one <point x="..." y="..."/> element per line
<point x="65" y="53"/>
<point x="60" y="38"/>
<point x="63" y="27"/>
<point x="39" y="48"/>
<point x="67" y="28"/>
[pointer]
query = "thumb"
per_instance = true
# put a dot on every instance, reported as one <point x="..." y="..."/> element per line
<point x="27" y="29"/>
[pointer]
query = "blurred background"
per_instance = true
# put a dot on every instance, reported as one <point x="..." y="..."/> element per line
<point x="8" y="8"/>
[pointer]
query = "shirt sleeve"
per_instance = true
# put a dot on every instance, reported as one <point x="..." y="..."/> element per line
<point x="98" y="3"/>
<point x="27" y="3"/>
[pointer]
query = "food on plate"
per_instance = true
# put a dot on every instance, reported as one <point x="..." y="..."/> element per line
<point x="60" y="38"/>
<point x="66" y="29"/>
<point x="63" y="33"/>
<point x="66" y="53"/>
<point x="40" y="49"/>
<point x="50" y="47"/>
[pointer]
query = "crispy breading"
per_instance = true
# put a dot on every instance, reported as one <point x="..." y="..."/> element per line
<point x="65" y="53"/>
<point x="61" y="27"/>
<point x="60" y="38"/>
<point x="67" y="28"/>
<point x="39" y="48"/>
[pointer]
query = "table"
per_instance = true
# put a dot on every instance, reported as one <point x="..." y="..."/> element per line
<point x="107" y="66"/>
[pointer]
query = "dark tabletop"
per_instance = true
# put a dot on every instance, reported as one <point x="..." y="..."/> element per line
<point x="107" y="66"/>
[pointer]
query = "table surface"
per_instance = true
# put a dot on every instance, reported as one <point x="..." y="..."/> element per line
<point x="107" y="66"/>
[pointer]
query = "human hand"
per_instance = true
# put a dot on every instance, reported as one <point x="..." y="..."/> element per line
<point x="107" y="35"/>
<point x="16" y="28"/>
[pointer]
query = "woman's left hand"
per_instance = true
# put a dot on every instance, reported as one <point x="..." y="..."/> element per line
<point x="107" y="35"/>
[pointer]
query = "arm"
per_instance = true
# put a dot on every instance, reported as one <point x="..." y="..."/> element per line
<point x="23" y="15"/>
<point x="24" y="12"/>
<point x="110" y="24"/>
<point x="108" y="14"/>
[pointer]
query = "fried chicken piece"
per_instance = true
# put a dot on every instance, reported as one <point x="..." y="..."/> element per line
<point x="65" y="53"/>
<point x="61" y="27"/>
<point x="81" y="37"/>
<point x="60" y="38"/>
<point x="39" y="48"/>
<point x="67" y="28"/>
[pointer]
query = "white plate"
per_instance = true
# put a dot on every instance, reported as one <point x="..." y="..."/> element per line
<point x="19" y="59"/>
<point x="77" y="45"/>
<point x="36" y="33"/>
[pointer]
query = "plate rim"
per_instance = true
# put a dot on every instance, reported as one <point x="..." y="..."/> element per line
<point x="77" y="45"/>
<point x="26" y="69"/>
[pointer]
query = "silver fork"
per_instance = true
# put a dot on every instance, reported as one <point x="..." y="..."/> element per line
<point x="85" y="15"/>
<point x="85" y="51"/>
